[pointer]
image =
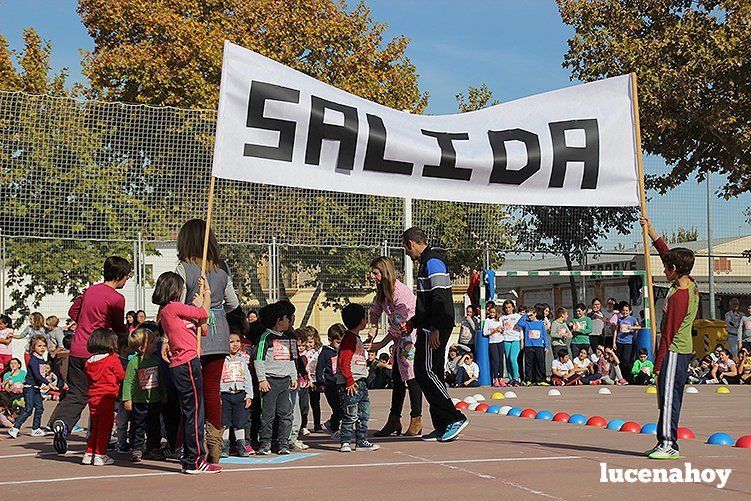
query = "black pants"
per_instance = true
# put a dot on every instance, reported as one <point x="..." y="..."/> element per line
<point x="303" y="396"/>
<point x="276" y="405"/>
<point x="77" y="397"/>
<point x="429" y="366"/>
<point x="171" y="417"/>
<point x="520" y="362"/>
<point x="462" y="377"/>
<point x="332" y="397"/>
<point x="534" y="364"/>
<point x="671" y="380"/>
<point x="496" y="360"/>
<point x="624" y="353"/>
<point x="144" y="423"/>
<point x="399" y="392"/>
<point x="315" y="406"/>
<point x="642" y="378"/>
<point x="189" y="386"/>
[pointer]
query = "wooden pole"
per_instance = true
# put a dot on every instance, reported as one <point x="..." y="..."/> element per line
<point x="643" y="203"/>
<point x="204" y="258"/>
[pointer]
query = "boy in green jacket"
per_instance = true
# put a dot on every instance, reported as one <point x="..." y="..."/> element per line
<point x="643" y="370"/>
<point x="581" y="327"/>
<point x="143" y="392"/>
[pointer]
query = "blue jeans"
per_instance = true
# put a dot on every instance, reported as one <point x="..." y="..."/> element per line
<point x="355" y="413"/>
<point x="33" y="399"/>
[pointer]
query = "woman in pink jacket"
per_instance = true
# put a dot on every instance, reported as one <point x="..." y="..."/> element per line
<point x="397" y="301"/>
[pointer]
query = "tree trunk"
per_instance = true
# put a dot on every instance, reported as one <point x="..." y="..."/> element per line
<point x="311" y="304"/>
<point x="572" y="280"/>
<point x="256" y="288"/>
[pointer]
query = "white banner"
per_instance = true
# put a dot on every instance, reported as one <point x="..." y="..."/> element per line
<point x="572" y="146"/>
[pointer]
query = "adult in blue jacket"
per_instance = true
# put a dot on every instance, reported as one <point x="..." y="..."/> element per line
<point x="434" y="321"/>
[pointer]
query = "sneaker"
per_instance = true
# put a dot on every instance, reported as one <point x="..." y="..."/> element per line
<point x="154" y="455"/>
<point x="650" y="451"/>
<point x="345" y="447"/>
<point x="453" y="430"/>
<point x="502" y="383"/>
<point x="103" y="460"/>
<point x="202" y="468"/>
<point x="13" y="433"/>
<point x="283" y="451"/>
<point x="317" y="428"/>
<point x="242" y="448"/>
<point x="367" y="446"/>
<point x="38" y="433"/>
<point x="543" y="383"/>
<point x="298" y="445"/>
<point x="76" y="428"/>
<point x="60" y="442"/>
<point x="495" y="383"/>
<point x="263" y="450"/>
<point x="665" y="452"/>
<point x="432" y="436"/>
<point x="526" y="383"/>
<point x="136" y="456"/>
<point x="304" y="432"/>
<point x="88" y="458"/>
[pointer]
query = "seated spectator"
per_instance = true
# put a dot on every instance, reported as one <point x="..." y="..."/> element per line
<point x="700" y="373"/>
<point x="13" y="379"/>
<point x="608" y="366"/>
<point x="745" y="366"/>
<point x="379" y="371"/>
<point x="724" y="370"/>
<point x="715" y="355"/>
<point x="584" y="367"/>
<point x="564" y="373"/>
<point x="642" y="372"/>
<point x="9" y="410"/>
<point x="467" y="372"/>
<point x="452" y="360"/>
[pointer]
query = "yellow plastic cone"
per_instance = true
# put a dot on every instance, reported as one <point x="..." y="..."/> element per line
<point x="497" y="396"/>
<point x="723" y="389"/>
<point x="651" y="390"/>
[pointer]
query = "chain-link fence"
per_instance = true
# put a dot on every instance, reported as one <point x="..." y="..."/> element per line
<point x="82" y="180"/>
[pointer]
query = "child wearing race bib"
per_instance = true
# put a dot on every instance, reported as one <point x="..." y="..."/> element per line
<point x="143" y="393"/>
<point x="624" y="337"/>
<point x="581" y="327"/>
<point x="277" y="377"/>
<point x="236" y="387"/>
<point x="351" y="379"/>
<point x="535" y="345"/>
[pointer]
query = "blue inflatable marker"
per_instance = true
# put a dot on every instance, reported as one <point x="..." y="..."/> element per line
<point x="649" y="429"/>
<point x="515" y="412"/>
<point x="578" y="419"/>
<point x="545" y="415"/>
<point x="493" y="409"/>
<point x="615" y="424"/>
<point x="720" y="439"/>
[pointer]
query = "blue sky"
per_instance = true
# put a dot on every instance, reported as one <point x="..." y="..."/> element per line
<point x="515" y="46"/>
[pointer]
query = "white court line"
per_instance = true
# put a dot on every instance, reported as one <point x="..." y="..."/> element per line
<point x="301" y="467"/>
<point x="38" y="454"/>
<point x="490" y="477"/>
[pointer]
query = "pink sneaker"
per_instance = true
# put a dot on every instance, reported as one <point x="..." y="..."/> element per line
<point x="202" y="468"/>
<point x="502" y="383"/>
<point x="249" y="450"/>
<point x="624" y="382"/>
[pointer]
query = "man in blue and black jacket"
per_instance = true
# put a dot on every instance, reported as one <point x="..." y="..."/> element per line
<point x="434" y="321"/>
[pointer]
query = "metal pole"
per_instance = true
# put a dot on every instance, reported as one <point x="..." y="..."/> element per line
<point x="486" y="260"/>
<point x="2" y="271"/>
<point x="271" y="272"/>
<point x="710" y="257"/>
<point x="135" y="268"/>
<point x="408" y="265"/>
<point x="142" y="261"/>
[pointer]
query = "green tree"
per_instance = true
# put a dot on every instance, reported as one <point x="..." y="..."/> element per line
<point x="692" y="59"/>
<point x="42" y="140"/>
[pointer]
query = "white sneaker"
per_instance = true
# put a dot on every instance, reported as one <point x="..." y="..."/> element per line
<point x="13" y="432"/>
<point x="345" y="447"/>
<point x="88" y="458"/>
<point x="102" y="460"/>
<point x="304" y="432"/>
<point x="38" y="433"/>
<point x="298" y="445"/>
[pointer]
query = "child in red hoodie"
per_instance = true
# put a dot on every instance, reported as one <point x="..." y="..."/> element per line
<point x="104" y="373"/>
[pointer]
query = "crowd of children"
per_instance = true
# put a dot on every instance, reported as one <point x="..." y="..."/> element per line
<point x="593" y="347"/>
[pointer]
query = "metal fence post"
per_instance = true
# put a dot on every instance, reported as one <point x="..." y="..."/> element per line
<point x="135" y="269"/>
<point x="2" y="271"/>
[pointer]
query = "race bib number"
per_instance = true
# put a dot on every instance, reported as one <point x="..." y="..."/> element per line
<point x="359" y="359"/>
<point x="148" y="378"/>
<point x="534" y="334"/>
<point x="747" y="325"/>
<point x="281" y="350"/>
<point x="233" y="372"/>
<point x="508" y="325"/>
<point x="625" y="328"/>
<point x="561" y="331"/>
<point x="334" y="364"/>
